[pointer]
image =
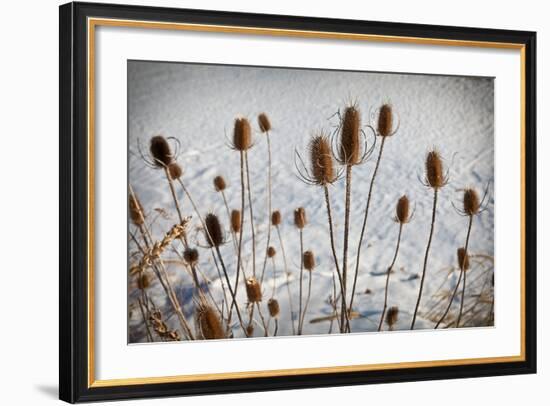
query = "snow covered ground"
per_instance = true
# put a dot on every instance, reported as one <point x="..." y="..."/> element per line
<point x="197" y="104"/>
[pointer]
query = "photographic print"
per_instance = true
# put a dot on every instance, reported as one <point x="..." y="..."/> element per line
<point x="268" y="201"/>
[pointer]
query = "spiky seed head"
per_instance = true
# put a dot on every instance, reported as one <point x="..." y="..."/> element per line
<point x="136" y="210"/>
<point x="300" y="217"/>
<point x="210" y="325"/>
<point x="214" y="232"/>
<point x="434" y="170"/>
<point x="250" y="330"/>
<point x="143" y="281"/>
<point x="264" y="123"/>
<point x="471" y="202"/>
<point x="463" y="259"/>
<point x="175" y="170"/>
<point x="402" y="210"/>
<point x="322" y="164"/>
<point x="309" y="260"/>
<point x="385" y="120"/>
<point x="273" y="307"/>
<point x="242" y="134"/>
<point x="392" y="316"/>
<point x="191" y="256"/>
<point x="350" y="137"/>
<point x="276" y="218"/>
<point x="271" y="251"/>
<point x="219" y="183"/>
<point x="160" y="151"/>
<point x="236" y="220"/>
<point x="253" y="290"/>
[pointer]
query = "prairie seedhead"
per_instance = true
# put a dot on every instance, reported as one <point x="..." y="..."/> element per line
<point x="271" y="251"/>
<point x="385" y="124"/>
<point x="435" y="176"/>
<point x="242" y="135"/>
<point x="191" y="256"/>
<point x="402" y="210"/>
<point x="175" y="171"/>
<point x="253" y="290"/>
<point x="143" y="281"/>
<point x="463" y="259"/>
<point x="276" y="218"/>
<point x="160" y="151"/>
<point x="236" y="221"/>
<point x="322" y="170"/>
<point x="471" y="202"/>
<point x="219" y="183"/>
<point x="300" y="219"/>
<point x="264" y="123"/>
<point x="309" y="260"/>
<point x="273" y="307"/>
<point x="392" y="316"/>
<point x="214" y="232"/>
<point x="208" y="322"/>
<point x="350" y="138"/>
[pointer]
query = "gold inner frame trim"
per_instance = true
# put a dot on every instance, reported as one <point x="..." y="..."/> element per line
<point x="94" y="22"/>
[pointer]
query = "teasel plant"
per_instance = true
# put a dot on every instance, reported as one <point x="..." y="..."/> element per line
<point x="309" y="265"/>
<point x="273" y="304"/>
<point x="471" y="206"/>
<point x="435" y="178"/>
<point x="254" y="295"/>
<point x="391" y="317"/>
<point x="402" y="217"/>
<point x="209" y="324"/>
<point x="265" y="127"/>
<point x="215" y="239"/>
<point x="385" y="128"/>
<point x="351" y="150"/>
<point x="322" y="172"/>
<point x="300" y="222"/>
<point x="276" y="219"/>
<point x="242" y="142"/>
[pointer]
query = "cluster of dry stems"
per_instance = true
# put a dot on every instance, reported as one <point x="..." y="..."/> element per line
<point x="330" y="157"/>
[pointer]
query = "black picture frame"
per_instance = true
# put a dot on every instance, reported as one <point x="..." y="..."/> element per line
<point x="73" y="256"/>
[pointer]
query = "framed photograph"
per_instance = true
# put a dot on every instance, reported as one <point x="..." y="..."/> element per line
<point x="258" y="202"/>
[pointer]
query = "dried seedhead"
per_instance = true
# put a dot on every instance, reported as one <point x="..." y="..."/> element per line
<point x="276" y="218"/>
<point x="264" y="123"/>
<point x="219" y="183"/>
<point x="402" y="210"/>
<point x="175" y="171"/>
<point x="209" y="324"/>
<point x="300" y="220"/>
<point x="143" y="281"/>
<point x="191" y="256"/>
<point x="136" y="210"/>
<point x="322" y="165"/>
<point x="242" y="134"/>
<point x="250" y="330"/>
<point x="253" y="290"/>
<point x="385" y="121"/>
<point x="463" y="259"/>
<point x="471" y="202"/>
<point x="435" y="176"/>
<point x="309" y="260"/>
<point x="214" y="231"/>
<point x="273" y="307"/>
<point x="271" y="251"/>
<point x="350" y="137"/>
<point x="236" y="220"/>
<point x="392" y="316"/>
<point x="160" y="151"/>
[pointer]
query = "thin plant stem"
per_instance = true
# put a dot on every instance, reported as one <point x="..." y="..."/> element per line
<point x="462" y="273"/>
<point x="427" y="253"/>
<point x="301" y="281"/>
<point x="310" y="273"/>
<point x="231" y="291"/>
<point x="344" y="310"/>
<point x="176" y="202"/>
<point x="262" y="318"/>
<point x="233" y="234"/>
<point x="390" y="269"/>
<point x="268" y="203"/>
<point x="148" y="330"/>
<point x="333" y="248"/>
<point x="365" y="217"/>
<point x="251" y="215"/>
<point x="287" y="280"/>
<point x="276" y="328"/>
<point x="461" y="300"/>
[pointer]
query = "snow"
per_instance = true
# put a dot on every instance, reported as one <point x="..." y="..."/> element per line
<point x="197" y="104"/>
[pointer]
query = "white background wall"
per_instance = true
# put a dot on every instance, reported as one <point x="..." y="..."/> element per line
<point x="29" y="203"/>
